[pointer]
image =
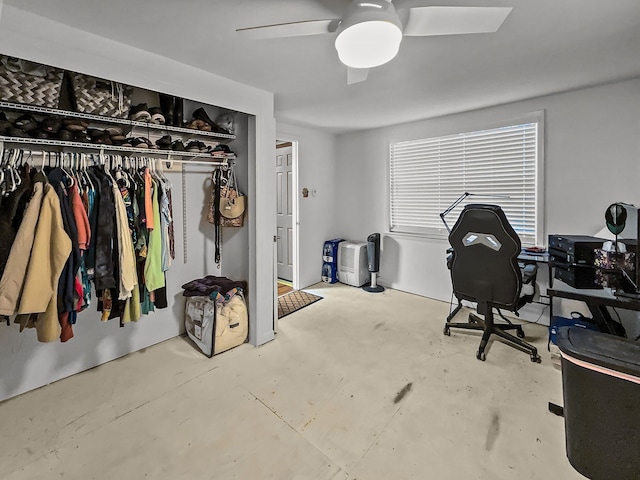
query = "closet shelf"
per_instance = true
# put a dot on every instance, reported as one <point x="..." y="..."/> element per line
<point x="112" y="120"/>
<point x="144" y="152"/>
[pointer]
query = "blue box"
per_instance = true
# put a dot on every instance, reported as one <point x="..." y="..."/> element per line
<point x="329" y="272"/>
<point x="577" y="320"/>
<point x="330" y="250"/>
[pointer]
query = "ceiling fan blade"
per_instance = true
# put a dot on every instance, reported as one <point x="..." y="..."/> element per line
<point x="425" y="21"/>
<point x="356" y="75"/>
<point x="292" y="29"/>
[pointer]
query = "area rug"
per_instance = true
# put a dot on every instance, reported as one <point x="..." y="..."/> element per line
<point x="294" y="301"/>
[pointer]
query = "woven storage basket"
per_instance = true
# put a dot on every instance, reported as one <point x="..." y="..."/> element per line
<point x="100" y="97"/>
<point x="29" y="83"/>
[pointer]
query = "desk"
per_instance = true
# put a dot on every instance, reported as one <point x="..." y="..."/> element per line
<point x="542" y="257"/>
<point x="597" y="301"/>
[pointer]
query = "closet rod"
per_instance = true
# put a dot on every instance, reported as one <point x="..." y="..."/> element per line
<point x="224" y="163"/>
<point x="193" y="162"/>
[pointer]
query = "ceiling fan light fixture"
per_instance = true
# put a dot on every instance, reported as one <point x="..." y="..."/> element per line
<point x="368" y="44"/>
<point x="369" y="35"/>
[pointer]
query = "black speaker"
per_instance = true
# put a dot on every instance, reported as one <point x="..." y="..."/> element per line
<point x="373" y="258"/>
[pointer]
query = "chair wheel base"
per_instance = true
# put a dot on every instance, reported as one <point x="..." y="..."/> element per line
<point x="446" y="331"/>
<point x="535" y="358"/>
<point x="481" y="356"/>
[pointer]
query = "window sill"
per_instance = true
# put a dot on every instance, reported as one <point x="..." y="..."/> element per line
<point x="426" y="237"/>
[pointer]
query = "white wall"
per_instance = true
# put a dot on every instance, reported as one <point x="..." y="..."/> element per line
<point x="318" y="169"/>
<point x="24" y="364"/>
<point x="592" y="153"/>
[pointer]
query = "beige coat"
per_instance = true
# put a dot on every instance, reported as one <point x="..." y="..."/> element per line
<point x="15" y="271"/>
<point x="51" y="248"/>
<point x="128" y="280"/>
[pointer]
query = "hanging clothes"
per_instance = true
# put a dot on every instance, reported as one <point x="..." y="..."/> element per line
<point x="59" y="181"/>
<point x="81" y="217"/>
<point x="93" y="201"/>
<point x="172" y="243"/>
<point x="128" y="276"/>
<point x="11" y="212"/>
<point x="51" y="250"/>
<point x="84" y="238"/>
<point x="66" y="285"/>
<point x="153" y="274"/>
<point x="148" y="200"/>
<point x="76" y="225"/>
<point x="104" y="267"/>
<point x="13" y="278"/>
<point x="85" y="274"/>
<point x="165" y="220"/>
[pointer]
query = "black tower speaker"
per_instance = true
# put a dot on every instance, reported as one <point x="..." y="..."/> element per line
<point x="373" y="256"/>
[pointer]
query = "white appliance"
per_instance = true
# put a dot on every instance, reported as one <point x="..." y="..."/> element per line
<point x="352" y="263"/>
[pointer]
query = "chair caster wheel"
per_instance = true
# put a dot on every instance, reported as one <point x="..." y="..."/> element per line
<point x="472" y="320"/>
<point x="536" y="358"/>
<point x="481" y="356"/>
<point x="446" y="331"/>
<point x="520" y="333"/>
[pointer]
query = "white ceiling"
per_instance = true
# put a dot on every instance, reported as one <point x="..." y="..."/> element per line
<point x="544" y="46"/>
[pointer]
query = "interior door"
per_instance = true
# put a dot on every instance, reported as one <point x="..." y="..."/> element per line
<point x="284" y="184"/>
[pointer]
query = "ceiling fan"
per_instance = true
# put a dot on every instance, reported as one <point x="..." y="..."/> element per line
<point x="370" y="32"/>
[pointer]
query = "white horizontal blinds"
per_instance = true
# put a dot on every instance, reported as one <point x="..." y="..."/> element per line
<point x="497" y="166"/>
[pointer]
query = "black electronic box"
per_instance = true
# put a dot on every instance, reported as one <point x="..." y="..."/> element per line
<point x="574" y="249"/>
<point x="577" y="276"/>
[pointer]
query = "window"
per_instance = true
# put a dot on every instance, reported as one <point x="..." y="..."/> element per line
<point x="500" y="166"/>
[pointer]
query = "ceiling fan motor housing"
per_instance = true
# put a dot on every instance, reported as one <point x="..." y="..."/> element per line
<point x="369" y="34"/>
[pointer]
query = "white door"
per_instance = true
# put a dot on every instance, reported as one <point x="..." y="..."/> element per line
<point x="284" y="185"/>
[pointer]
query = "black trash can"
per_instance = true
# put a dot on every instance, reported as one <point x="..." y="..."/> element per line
<point x="601" y="390"/>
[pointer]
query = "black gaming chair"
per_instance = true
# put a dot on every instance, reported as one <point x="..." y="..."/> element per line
<point x="484" y="269"/>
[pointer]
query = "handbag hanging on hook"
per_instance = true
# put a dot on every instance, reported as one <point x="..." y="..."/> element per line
<point x="232" y="203"/>
<point x="224" y="193"/>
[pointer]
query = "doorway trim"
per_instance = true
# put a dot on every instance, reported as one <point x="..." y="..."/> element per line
<point x="295" y="224"/>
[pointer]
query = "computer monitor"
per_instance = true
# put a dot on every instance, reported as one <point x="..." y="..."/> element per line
<point x="629" y="236"/>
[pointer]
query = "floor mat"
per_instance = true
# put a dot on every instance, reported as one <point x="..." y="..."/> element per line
<point x="294" y="301"/>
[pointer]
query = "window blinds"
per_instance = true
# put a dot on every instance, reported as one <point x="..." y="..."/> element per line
<point x="497" y="166"/>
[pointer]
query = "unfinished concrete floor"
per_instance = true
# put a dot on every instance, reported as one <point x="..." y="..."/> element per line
<point x="356" y="386"/>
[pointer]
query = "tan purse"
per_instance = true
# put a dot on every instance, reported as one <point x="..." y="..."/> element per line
<point x="232" y="204"/>
<point x="232" y="207"/>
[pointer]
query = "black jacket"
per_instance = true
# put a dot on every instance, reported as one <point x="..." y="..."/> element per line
<point x="60" y="182"/>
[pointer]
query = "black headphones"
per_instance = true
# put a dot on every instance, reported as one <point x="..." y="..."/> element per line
<point x="616" y="218"/>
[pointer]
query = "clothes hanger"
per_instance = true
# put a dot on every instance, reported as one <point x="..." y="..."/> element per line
<point x="120" y="173"/>
<point x="17" y="163"/>
<point x="8" y="177"/>
<point x="127" y="172"/>
<point x="139" y="170"/>
<point x="108" y="164"/>
<point x="83" y="162"/>
<point x="2" y="176"/>
<point x="29" y="158"/>
<point x="165" y="180"/>
<point x="77" y="171"/>
<point x="16" y="180"/>
<point x="66" y="172"/>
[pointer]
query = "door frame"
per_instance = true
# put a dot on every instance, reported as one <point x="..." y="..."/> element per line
<point x="295" y="226"/>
